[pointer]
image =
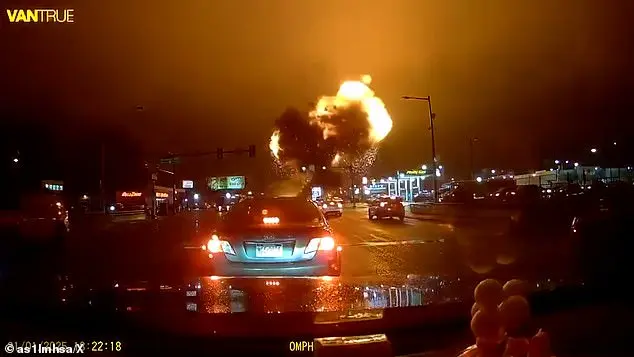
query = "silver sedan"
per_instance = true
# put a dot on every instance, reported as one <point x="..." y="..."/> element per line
<point x="273" y="236"/>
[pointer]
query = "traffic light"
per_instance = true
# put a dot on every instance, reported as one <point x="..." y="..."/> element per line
<point x="219" y="153"/>
<point x="251" y="150"/>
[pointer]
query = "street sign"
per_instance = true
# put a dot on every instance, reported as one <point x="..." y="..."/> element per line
<point x="235" y="182"/>
<point x="226" y="183"/>
<point x="188" y="184"/>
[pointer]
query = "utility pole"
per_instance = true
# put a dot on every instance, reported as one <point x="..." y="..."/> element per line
<point x="173" y="162"/>
<point x="432" y="116"/>
<point x="174" y="187"/>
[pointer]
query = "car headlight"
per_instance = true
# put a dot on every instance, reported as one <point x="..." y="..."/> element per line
<point x="339" y="205"/>
<point x="382" y="204"/>
<point x="324" y="206"/>
<point x="216" y="245"/>
<point x="323" y="243"/>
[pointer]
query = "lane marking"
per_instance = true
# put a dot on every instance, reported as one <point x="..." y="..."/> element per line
<point x="379" y="238"/>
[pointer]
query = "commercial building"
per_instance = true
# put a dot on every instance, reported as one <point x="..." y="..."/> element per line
<point x="406" y="184"/>
<point x="157" y="198"/>
<point x="582" y="175"/>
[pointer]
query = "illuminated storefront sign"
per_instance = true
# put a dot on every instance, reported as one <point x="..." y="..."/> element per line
<point x="416" y="172"/>
<point x="377" y="188"/>
<point x="53" y="185"/>
<point x="162" y="195"/>
<point x="131" y="194"/>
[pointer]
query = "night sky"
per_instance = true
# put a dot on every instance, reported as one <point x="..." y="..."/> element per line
<point x="533" y="80"/>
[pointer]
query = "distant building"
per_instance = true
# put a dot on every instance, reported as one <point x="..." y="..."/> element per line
<point x="582" y="175"/>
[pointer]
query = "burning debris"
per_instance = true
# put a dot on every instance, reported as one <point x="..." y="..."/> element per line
<point x="342" y="130"/>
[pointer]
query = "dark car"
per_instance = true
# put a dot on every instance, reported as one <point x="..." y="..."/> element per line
<point x="273" y="236"/>
<point x="35" y="217"/>
<point x="386" y="207"/>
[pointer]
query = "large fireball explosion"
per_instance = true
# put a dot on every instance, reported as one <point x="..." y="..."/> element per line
<point x="341" y="131"/>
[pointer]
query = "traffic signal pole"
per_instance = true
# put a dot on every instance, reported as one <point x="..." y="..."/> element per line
<point x="174" y="159"/>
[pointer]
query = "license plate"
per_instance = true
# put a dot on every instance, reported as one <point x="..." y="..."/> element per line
<point x="269" y="250"/>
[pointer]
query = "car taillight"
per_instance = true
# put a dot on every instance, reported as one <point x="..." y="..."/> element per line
<point x="216" y="245"/>
<point x="323" y="243"/>
<point x="327" y="243"/>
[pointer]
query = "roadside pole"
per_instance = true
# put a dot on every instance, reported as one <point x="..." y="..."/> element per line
<point x="174" y="187"/>
<point x="102" y="178"/>
<point x="153" y="195"/>
<point x="354" y="204"/>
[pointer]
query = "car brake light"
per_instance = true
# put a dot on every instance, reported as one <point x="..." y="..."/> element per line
<point x="323" y="243"/>
<point x="215" y="245"/>
<point x="271" y="220"/>
<point x="327" y="243"/>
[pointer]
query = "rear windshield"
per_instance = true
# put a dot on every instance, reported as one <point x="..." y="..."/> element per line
<point x="289" y="211"/>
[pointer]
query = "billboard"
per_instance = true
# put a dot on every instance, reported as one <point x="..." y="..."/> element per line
<point x="226" y="183"/>
<point x="188" y="184"/>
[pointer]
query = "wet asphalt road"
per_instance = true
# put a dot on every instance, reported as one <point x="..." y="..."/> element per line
<point x="426" y="247"/>
<point x="372" y="250"/>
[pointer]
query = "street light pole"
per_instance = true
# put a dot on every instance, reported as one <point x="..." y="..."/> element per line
<point x="102" y="177"/>
<point x="432" y="116"/>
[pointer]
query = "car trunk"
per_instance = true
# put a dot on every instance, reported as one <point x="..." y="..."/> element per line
<point x="273" y="244"/>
